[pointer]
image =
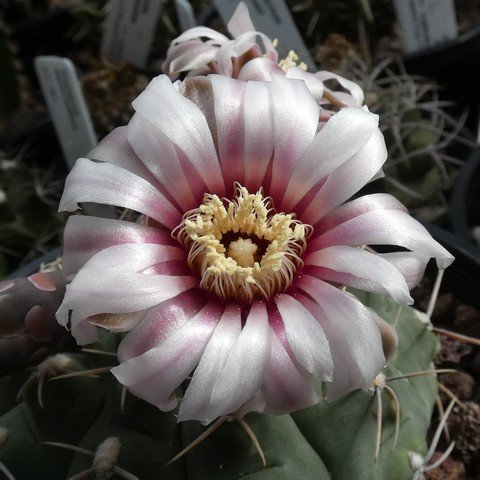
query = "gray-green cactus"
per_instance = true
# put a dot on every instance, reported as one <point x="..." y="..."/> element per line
<point x="321" y="442"/>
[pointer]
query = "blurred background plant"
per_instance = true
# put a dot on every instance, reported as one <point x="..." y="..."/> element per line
<point x="32" y="170"/>
<point x="426" y="140"/>
<point x="29" y="222"/>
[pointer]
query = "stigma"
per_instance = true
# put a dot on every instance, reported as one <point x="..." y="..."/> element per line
<point x="241" y="248"/>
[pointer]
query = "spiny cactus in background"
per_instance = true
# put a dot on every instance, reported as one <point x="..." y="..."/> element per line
<point x="88" y="24"/>
<point x="425" y="142"/>
<point x="80" y="412"/>
<point x="319" y="18"/>
<point x="28" y="203"/>
<point x="88" y="19"/>
<point x="109" y="90"/>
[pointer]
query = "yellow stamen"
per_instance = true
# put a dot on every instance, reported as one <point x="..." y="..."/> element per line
<point x="291" y="60"/>
<point x="241" y="248"/>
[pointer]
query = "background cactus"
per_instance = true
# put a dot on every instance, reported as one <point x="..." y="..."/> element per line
<point x="425" y="138"/>
<point x="28" y="202"/>
<point x="109" y="91"/>
<point x="322" y="442"/>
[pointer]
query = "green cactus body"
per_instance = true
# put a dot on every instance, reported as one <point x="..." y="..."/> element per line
<point x="326" y="441"/>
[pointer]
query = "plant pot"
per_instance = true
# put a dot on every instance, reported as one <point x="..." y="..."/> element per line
<point x="465" y="202"/>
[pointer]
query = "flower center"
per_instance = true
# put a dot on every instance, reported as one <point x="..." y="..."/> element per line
<point x="241" y="248"/>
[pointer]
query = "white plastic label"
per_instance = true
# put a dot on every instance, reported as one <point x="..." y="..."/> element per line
<point x="129" y="30"/>
<point x="70" y="116"/>
<point x="425" y="23"/>
<point x="186" y="17"/>
<point x="272" y="18"/>
<point x="66" y="104"/>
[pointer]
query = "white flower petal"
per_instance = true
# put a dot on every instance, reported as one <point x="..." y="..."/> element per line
<point x="244" y="369"/>
<point x="360" y="269"/>
<point x="305" y="337"/>
<point x="195" y="404"/>
<point x="184" y="124"/>
<point x="108" y="184"/>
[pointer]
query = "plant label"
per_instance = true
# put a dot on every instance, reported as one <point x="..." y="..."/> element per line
<point x="425" y="23"/>
<point x="186" y="17"/>
<point x="273" y="18"/>
<point x="70" y="116"/>
<point x="66" y="104"/>
<point x="129" y="30"/>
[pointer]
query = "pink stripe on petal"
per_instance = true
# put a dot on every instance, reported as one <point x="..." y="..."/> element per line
<point x="157" y="152"/>
<point x="110" y="283"/>
<point x="185" y="125"/>
<point x="115" y="148"/>
<point x="108" y="184"/>
<point x="352" y="333"/>
<point x="360" y="269"/>
<point x="305" y="337"/>
<point x="160" y="323"/>
<point x="354" y="208"/>
<point x="343" y="136"/>
<point x="195" y="404"/>
<point x="85" y="236"/>
<point x="286" y="388"/>
<point x="244" y="369"/>
<point x="257" y="118"/>
<point x="155" y="374"/>
<point x="347" y="179"/>
<point x="294" y="129"/>
<point x="385" y="227"/>
<point x="228" y="95"/>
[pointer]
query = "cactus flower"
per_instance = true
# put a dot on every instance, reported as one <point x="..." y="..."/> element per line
<point x="232" y="271"/>
<point x="251" y="55"/>
<point x="189" y="53"/>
